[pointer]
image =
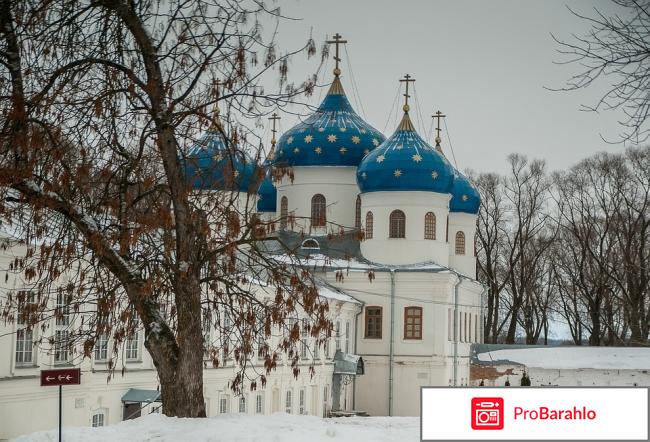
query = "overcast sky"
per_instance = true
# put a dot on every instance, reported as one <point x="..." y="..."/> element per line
<point x="483" y="63"/>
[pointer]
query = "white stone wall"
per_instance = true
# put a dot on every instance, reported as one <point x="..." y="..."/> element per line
<point x="337" y="184"/>
<point x="465" y="264"/>
<point x="413" y="248"/>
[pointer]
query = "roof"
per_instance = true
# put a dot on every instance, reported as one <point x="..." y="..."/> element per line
<point x="137" y="395"/>
<point x="267" y="195"/>
<point x="332" y="136"/>
<point x="214" y="163"/>
<point x="464" y="197"/>
<point x="405" y="162"/>
<point x="566" y="357"/>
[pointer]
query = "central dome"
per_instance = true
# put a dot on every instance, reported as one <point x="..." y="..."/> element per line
<point x="333" y="136"/>
<point x="405" y="162"/>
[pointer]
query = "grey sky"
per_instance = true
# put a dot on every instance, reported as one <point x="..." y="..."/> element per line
<point x="483" y="63"/>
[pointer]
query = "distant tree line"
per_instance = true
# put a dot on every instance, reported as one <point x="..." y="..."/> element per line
<point x="571" y="246"/>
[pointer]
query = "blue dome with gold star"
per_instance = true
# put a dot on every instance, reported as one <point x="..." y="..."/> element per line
<point x="215" y="164"/>
<point x="333" y="136"/>
<point x="405" y="162"/>
<point x="267" y="195"/>
<point x="464" y="197"/>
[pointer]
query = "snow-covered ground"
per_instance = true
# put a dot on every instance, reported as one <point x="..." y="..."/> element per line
<point x="279" y="427"/>
<point x="621" y="358"/>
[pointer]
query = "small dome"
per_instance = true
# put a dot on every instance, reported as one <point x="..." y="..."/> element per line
<point x="267" y="195"/>
<point x="333" y="136"/>
<point x="464" y="197"/>
<point x="213" y="164"/>
<point x="405" y="162"/>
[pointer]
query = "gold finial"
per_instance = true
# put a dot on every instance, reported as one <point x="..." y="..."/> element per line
<point x="438" y="115"/>
<point x="407" y="79"/>
<point x="273" y="119"/>
<point x="337" y="41"/>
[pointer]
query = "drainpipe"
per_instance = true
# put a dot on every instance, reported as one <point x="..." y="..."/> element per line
<point x="458" y="281"/>
<point x="481" y="331"/>
<point x="392" y="333"/>
<point x="356" y="339"/>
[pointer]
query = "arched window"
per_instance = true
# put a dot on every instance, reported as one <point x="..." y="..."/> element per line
<point x="397" y="224"/>
<point x="369" y="225"/>
<point x="429" y="226"/>
<point x="460" y="243"/>
<point x="357" y="214"/>
<point x="310" y="243"/>
<point x="284" y="212"/>
<point x="318" y="207"/>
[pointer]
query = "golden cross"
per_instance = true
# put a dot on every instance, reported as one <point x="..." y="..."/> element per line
<point x="273" y="119"/>
<point x="407" y="79"/>
<point x="337" y="41"/>
<point x="438" y="115"/>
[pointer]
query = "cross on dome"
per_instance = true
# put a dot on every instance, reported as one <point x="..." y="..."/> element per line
<point x="438" y="115"/>
<point x="337" y="41"/>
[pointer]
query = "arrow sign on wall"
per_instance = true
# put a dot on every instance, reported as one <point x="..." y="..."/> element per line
<point x="66" y="376"/>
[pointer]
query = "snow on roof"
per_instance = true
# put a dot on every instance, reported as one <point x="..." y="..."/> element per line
<point x="279" y="427"/>
<point x="602" y="358"/>
<point x="319" y="260"/>
<point x="325" y="290"/>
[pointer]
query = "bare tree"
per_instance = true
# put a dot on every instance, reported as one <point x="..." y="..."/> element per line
<point x="102" y="103"/>
<point x="617" y="51"/>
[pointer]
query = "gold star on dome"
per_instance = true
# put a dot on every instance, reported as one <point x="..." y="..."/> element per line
<point x="380" y="158"/>
<point x="397" y="173"/>
<point x="289" y="140"/>
<point x="356" y="139"/>
<point x="217" y="157"/>
<point x="296" y="150"/>
<point x="363" y="131"/>
<point x="331" y="138"/>
<point x="321" y="129"/>
<point x="364" y="175"/>
<point x="434" y="174"/>
<point x="308" y="139"/>
<point x="343" y="129"/>
<point x="465" y="197"/>
<point x="375" y="141"/>
<point x="365" y="152"/>
<point x="417" y="158"/>
<point x="343" y="150"/>
<point x="318" y="150"/>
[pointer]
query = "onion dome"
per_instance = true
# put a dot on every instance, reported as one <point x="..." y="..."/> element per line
<point x="405" y="162"/>
<point x="213" y="163"/>
<point x="333" y="136"/>
<point x="464" y="197"/>
<point x="267" y="195"/>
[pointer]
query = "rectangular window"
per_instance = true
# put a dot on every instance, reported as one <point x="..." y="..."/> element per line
<point x="287" y="402"/>
<point x="316" y="351"/>
<point x="325" y="389"/>
<point x="261" y="342"/>
<point x="98" y="420"/>
<point x="101" y="348"/>
<point x="347" y="337"/>
<point x="469" y="328"/>
<point x="450" y="323"/>
<point x="61" y="346"/>
<point x="302" y="401"/>
<point x="223" y="405"/>
<point x="373" y="323"/>
<point x="413" y="323"/>
<point x="465" y="328"/>
<point x="259" y="404"/>
<point x="62" y="311"/>
<point x="225" y="338"/>
<point x="133" y="347"/>
<point x="303" y="348"/>
<point x="338" y="335"/>
<point x="242" y="404"/>
<point x="326" y="348"/>
<point x="24" y="347"/>
<point x="476" y="338"/>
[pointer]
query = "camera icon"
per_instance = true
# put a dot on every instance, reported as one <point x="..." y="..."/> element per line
<point x="487" y="413"/>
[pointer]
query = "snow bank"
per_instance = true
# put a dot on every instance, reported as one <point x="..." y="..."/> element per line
<point x="279" y="427"/>
<point x="601" y="358"/>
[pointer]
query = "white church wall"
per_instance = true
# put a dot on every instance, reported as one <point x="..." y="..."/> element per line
<point x="337" y="184"/>
<point x="462" y="263"/>
<point x="413" y="248"/>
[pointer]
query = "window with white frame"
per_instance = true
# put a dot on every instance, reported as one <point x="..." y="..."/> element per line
<point x="288" y="402"/>
<point x="325" y="396"/>
<point x="259" y="404"/>
<point x="303" y="348"/>
<point x="261" y="342"/>
<point x="223" y="404"/>
<point x="242" y="404"/>
<point x="61" y="353"/>
<point x="225" y="337"/>
<point x="24" y="347"/>
<point x="99" y="417"/>
<point x="301" y="401"/>
<point x="62" y="311"/>
<point x="101" y="348"/>
<point x="206" y="325"/>
<point x="476" y="338"/>
<point x="347" y="337"/>
<point x="316" y="350"/>
<point x="133" y="347"/>
<point x="326" y="348"/>
<point x="450" y="323"/>
<point x="338" y="335"/>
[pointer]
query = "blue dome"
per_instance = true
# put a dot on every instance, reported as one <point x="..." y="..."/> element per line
<point x="333" y="136"/>
<point x="213" y="164"/>
<point x="267" y="195"/>
<point x="464" y="197"/>
<point x="405" y="162"/>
